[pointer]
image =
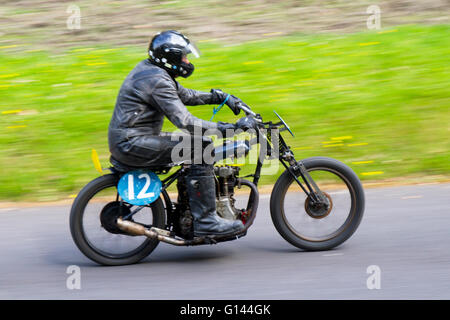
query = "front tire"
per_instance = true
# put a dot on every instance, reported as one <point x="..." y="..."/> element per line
<point x="79" y="232"/>
<point x="355" y="205"/>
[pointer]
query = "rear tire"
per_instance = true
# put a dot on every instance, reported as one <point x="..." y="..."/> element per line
<point x="277" y="207"/>
<point x="79" y="237"/>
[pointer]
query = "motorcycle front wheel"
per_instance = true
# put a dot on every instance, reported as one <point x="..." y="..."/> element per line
<point x="93" y="224"/>
<point x="308" y="226"/>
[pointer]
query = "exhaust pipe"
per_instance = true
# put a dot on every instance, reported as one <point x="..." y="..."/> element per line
<point x="136" y="229"/>
<point x="253" y="200"/>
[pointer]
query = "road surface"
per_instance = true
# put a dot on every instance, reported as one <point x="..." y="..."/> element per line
<point x="405" y="233"/>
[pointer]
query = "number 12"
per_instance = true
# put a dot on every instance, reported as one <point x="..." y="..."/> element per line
<point x="143" y="193"/>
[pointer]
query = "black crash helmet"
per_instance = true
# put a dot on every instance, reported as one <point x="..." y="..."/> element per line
<point x="167" y="50"/>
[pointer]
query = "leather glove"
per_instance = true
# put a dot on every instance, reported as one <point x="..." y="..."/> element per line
<point x="218" y="96"/>
<point x="223" y="127"/>
<point x="246" y="123"/>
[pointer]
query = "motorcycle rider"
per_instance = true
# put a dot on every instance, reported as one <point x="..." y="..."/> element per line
<point x="148" y="94"/>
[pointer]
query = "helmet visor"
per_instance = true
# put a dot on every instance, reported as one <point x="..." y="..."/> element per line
<point x="192" y="48"/>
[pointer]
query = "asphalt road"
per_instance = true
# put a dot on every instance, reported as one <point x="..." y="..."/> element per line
<point x="405" y="232"/>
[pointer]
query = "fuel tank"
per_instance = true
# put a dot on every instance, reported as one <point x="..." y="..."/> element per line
<point x="230" y="149"/>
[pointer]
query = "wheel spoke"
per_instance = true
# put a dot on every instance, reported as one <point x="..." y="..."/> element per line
<point x="107" y="239"/>
<point x="320" y="223"/>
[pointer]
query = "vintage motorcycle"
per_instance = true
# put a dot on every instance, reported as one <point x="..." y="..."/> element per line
<point x="316" y="203"/>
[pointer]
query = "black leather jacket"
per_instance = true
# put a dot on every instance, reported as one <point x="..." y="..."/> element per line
<point x="147" y="95"/>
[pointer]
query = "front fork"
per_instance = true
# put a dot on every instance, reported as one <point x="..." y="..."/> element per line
<point x="296" y="168"/>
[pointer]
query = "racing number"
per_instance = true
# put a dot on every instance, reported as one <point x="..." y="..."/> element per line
<point x="143" y="193"/>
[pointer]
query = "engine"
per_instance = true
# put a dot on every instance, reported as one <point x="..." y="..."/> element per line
<point x="226" y="181"/>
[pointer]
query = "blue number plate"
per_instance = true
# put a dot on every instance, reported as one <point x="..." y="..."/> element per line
<point x="139" y="188"/>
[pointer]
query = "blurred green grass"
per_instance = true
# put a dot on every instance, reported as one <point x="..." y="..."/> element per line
<point x="386" y="93"/>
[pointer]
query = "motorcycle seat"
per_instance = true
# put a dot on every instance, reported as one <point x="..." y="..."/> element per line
<point x="123" y="168"/>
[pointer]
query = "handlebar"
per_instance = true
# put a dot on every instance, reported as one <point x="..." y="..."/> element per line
<point x="258" y="118"/>
<point x="246" y="110"/>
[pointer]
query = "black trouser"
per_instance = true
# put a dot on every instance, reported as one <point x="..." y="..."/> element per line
<point x="149" y="150"/>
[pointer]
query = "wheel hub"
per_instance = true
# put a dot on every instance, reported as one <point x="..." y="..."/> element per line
<point x="318" y="210"/>
<point x="109" y="215"/>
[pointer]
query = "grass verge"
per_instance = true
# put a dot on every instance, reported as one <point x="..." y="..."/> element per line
<point x="378" y="101"/>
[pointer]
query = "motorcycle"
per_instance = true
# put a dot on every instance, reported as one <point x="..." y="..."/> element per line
<point x="316" y="204"/>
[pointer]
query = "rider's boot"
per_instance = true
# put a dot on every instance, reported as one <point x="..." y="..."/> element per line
<point x="201" y="190"/>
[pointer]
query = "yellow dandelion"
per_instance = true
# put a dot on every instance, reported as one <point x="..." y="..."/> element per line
<point x="362" y="162"/>
<point x="371" y="173"/>
<point x="253" y="62"/>
<point x="357" y="144"/>
<point x="369" y="43"/>
<point x="342" y="138"/>
<point x="7" y="47"/>
<point x="387" y="31"/>
<point x="11" y="111"/>
<point x="11" y="75"/>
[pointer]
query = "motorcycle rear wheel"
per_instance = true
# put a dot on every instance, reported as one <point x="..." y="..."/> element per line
<point x="83" y="229"/>
<point x="292" y="213"/>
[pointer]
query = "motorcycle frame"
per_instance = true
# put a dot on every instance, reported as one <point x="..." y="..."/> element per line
<point x="295" y="168"/>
